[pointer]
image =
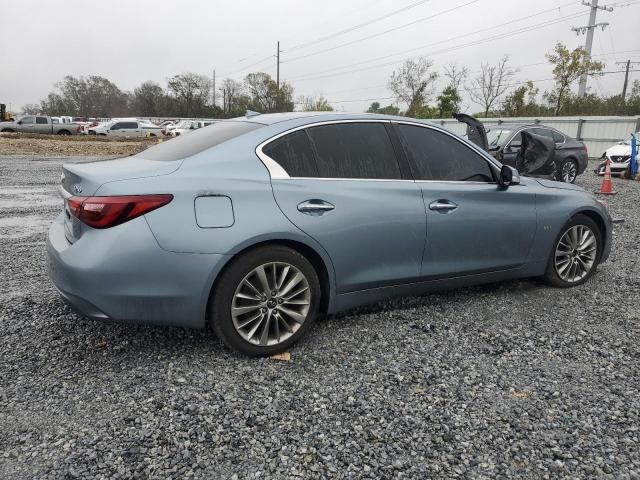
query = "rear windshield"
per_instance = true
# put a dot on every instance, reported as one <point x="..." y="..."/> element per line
<point x="196" y="141"/>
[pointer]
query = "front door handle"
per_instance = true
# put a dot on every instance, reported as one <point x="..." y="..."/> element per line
<point x="315" y="207"/>
<point x="443" y="206"/>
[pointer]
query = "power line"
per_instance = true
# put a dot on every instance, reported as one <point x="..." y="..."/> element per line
<point x="248" y="66"/>
<point x="381" y="33"/>
<point x="457" y="47"/>
<point x="404" y="52"/>
<point x="355" y="27"/>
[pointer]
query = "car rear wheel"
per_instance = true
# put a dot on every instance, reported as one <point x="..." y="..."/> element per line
<point x="568" y="171"/>
<point x="265" y="301"/>
<point x="64" y="132"/>
<point x="576" y="253"/>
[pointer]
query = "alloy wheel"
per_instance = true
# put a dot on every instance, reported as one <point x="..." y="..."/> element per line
<point x="569" y="171"/>
<point x="270" y="304"/>
<point x="576" y="253"/>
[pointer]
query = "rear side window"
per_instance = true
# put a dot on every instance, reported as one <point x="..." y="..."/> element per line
<point x="354" y="150"/>
<point x="437" y="156"/>
<point x="41" y="120"/>
<point x="128" y="125"/>
<point x="294" y="154"/>
<point x="184" y="146"/>
<point x="557" y="136"/>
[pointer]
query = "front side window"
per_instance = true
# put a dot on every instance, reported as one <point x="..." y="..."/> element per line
<point x="41" y="120"/>
<point x="293" y="152"/>
<point x="117" y="126"/>
<point x="438" y="156"/>
<point x="27" y="121"/>
<point x="354" y="150"/>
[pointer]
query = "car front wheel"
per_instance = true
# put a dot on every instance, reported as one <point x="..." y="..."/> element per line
<point x="265" y="301"/>
<point x="576" y="253"/>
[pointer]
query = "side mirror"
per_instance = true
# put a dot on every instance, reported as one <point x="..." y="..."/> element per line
<point x="20" y="122"/>
<point x="508" y="176"/>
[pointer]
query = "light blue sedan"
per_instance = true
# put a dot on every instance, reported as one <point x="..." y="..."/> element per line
<point x="255" y="226"/>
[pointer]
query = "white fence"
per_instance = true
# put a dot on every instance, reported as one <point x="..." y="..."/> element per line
<point x="598" y="133"/>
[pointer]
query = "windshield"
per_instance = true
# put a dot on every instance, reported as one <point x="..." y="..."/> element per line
<point x="497" y="137"/>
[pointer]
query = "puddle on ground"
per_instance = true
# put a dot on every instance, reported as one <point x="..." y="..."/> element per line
<point x="28" y="197"/>
<point x="24" y="226"/>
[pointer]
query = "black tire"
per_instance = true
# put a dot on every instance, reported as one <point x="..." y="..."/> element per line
<point x="230" y="279"/>
<point x="64" y="132"/>
<point x="91" y="132"/>
<point x="551" y="275"/>
<point x="8" y="130"/>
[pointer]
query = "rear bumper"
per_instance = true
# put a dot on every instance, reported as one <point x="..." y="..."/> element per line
<point x="122" y="274"/>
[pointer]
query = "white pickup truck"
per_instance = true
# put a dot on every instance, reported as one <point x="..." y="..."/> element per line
<point x="39" y="124"/>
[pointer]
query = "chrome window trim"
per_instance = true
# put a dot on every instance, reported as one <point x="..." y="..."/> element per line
<point x="278" y="173"/>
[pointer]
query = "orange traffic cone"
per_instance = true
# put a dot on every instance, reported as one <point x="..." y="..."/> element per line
<point x="607" y="185"/>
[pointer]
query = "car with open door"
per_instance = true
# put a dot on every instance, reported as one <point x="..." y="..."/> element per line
<point x="505" y="142"/>
<point x="254" y="226"/>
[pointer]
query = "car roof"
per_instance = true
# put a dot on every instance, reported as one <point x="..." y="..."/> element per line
<point x="312" y="117"/>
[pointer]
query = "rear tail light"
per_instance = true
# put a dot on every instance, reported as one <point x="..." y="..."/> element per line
<point x="106" y="212"/>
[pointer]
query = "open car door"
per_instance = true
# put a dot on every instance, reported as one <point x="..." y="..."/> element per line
<point x="536" y="156"/>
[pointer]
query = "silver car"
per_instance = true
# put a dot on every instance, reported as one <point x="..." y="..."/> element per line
<point x="255" y="226"/>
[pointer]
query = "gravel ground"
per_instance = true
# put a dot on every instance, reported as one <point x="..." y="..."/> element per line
<point x="77" y="145"/>
<point x="508" y="380"/>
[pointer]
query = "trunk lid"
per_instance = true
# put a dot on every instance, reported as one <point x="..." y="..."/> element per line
<point x="84" y="180"/>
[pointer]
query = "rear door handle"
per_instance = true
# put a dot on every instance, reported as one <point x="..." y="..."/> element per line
<point x="443" y="206"/>
<point x="315" y="207"/>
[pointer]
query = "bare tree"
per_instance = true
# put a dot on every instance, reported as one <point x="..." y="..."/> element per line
<point x="413" y="84"/>
<point x="456" y="74"/>
<point x="491" y="84"/>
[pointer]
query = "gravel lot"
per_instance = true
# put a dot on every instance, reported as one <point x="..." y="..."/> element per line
<point x="508" y="380"/>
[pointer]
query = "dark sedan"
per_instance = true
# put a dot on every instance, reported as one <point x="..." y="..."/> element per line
<point x="570" y="159"/>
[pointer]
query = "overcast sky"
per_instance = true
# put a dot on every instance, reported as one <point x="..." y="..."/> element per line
<point x="132" y="41"/>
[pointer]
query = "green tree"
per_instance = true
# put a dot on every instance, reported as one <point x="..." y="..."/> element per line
<point x="568" y="67"/>
<point x="265" y="95"/>
<point x="413" y="85"/>
<point x="448" y="102"/>
<point x="312" y="104"/>
<point x="522" y="101"/>
<point x="149" y="100"/>
<point x="388" y="110"/>
<point x="189" y="94"/>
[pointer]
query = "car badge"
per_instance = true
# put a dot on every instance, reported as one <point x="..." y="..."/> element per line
<point x="77" y="189"/>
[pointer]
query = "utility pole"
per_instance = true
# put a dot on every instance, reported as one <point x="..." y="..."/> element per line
<point x="628" y="64"/>
<point x="214" y="88"/>
<point x="278" y="66"/>
<point x="582" y="87"/>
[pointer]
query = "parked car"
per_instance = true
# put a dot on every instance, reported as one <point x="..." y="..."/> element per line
<point x="254" y="226"/>
<point x="39" y="124"/>
<point x="186" y="126"/>
<point x="620" y="156"/>
<point x="126" y="128"/>
<point x="570" y="158"/>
